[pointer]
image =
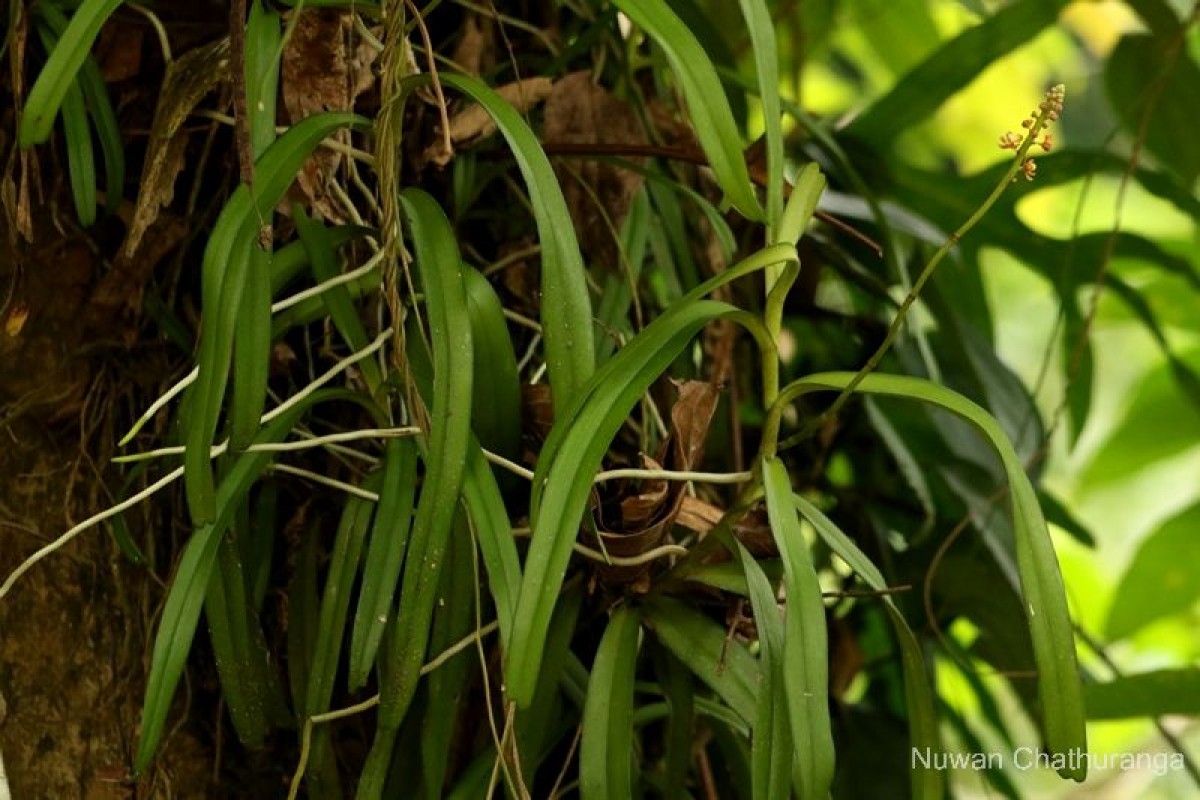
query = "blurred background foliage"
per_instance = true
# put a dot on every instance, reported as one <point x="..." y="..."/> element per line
<point x="1129" y="478"/>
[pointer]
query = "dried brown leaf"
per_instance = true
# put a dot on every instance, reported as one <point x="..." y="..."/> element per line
<point x="474" y="123"/>
<point x="697" y="515"/>
<point x="476" y="49"/>
<point x="119" y="50"/>
<point x="188" y="79"/>
<point x="15" y="188"/>
<point x="651" y="507"/>
<point x="537" y="410"/>
<point x="315" y="74"/>
<point x="322" y="72"/>
<point x="691" y="417"/>
<point x="579" y="113"/>
<point x="640" y="510"/>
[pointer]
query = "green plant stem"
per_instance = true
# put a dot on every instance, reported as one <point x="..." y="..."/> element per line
<point x="801" y="205"/>
<point x="763" y="334"/>
<point x="771" y="426"/>
<point x="773" y="322"/>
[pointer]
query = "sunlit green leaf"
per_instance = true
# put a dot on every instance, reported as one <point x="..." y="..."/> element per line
<point x="1148" y="694"/>
<point x="950" y="68"/>
<point x="1162" y="579"/>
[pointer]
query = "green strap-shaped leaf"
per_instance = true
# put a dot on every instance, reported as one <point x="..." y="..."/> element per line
<point x="606" y="743"/>
<point x="568" y="485"/>
<point x="636" y="349"/>
<point x="257" y="542"/>
<point x="475" y="780"/>
<point x="1078" y="356"/>
<point x="251" y="348"/>
<point x="222" y="283"/>
<point x="249" y="685"/>
<point x="540" y="725"/>
<point x="321" y="247"/>
<point x="566" y="309"/>
<point x="712" y="119"/>
<point x="671" y="244"/>
<point x="496" y="410"/>
<point x="481" y="494"/>
<point x="497" y="546"/>
<point x="771" y="745"/>
<point x="1045" y="599"/>
<point x="440" y="267"/>
<point x="679" y="689"/>
<point x="303" y="606"/>
<point x="100" y="108"/>
<point x="616" y="296"/>
<point x="802" y="204"/>
<point x="81" y="160"/>
<point x="927" y="784"/>
<point x="805" y="640"/>
<point x="331" y="620"/>
<point x="385" y="556"/>
<point x="335" y="600"/>
<point x="906" y="462"/>
<point x="291" y="260"/>
<point x="252" y="330"/>
<point x="58" y="76"/>
<point x="575" y="448"/>
<point x="766" y="63"/>
<point x="263" y="50"/>
<point x="724" y="665"/>
<point x="181" y="611"/>
<point x="733" y="750"/>
<point x="730" y="577"/>
<point x="224" y="608"/>
<point x="173" y="641"/>
<point x="448" y="687"/>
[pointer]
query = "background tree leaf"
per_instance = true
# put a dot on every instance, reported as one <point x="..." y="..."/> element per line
<point x="1168" y="691"/>
<point x="1162" y="579"/>
<point x="1132" y="74"/>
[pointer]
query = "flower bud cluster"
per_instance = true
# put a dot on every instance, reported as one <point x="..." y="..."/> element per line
<point x="1047" y="111"/>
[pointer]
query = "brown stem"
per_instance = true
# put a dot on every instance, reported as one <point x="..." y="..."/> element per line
<point x="237" y="69"/>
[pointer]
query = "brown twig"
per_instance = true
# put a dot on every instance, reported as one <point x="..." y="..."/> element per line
<point x="237" y="76"/>
<point x="707" y="779"/>
<point x="433" y="76"/>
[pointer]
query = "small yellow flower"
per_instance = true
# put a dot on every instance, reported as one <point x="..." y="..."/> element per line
<point x="1047" y="111"/>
